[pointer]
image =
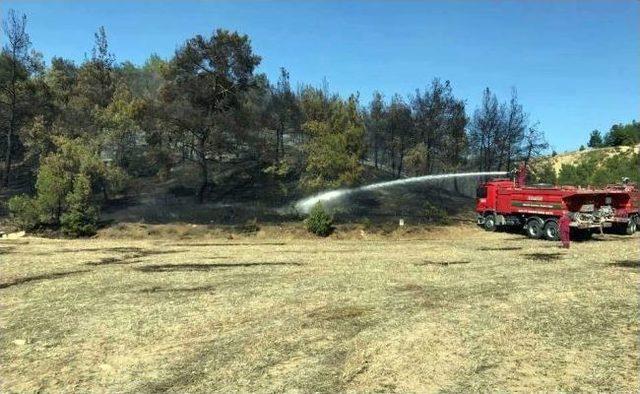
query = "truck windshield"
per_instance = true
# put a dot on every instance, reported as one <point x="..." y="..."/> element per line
<point x="481" y="192"/>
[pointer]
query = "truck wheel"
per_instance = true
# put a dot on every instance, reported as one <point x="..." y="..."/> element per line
<point x="632" y="227"/>
<point x="551" y="231"/>
<point x="489" y="223"/>
<point x="534" y="228"/>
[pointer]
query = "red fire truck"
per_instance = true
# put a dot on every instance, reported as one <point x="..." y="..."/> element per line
<point x="537" y="208"/>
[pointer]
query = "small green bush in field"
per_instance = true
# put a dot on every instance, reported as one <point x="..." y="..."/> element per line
<point x="81" y="219"/>
<point x="24" y="212"/>
<point x="80" y="224"/>
<point x="319" y="222"/>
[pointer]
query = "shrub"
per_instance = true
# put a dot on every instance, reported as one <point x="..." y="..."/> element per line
<point x="319" y="222"/>
<point x="433" y="213"/>
<point x="24" y="212"/>
<point x="81" y="218"/>
<point x="80" y="223"/>
<point x="367" y="224"/>
<point x="250" y="226"/>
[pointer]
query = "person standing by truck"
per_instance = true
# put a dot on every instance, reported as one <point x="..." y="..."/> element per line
<point x="565" y="229"/>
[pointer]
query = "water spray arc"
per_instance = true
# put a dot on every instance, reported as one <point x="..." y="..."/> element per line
<point x="305" y="205"/>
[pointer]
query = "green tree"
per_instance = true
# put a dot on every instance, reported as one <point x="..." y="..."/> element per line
<point x="81" y="217"/>
<point x="440" y="122"/>
<point x="334" y="148"/>
<point x="595" y="139"/>
<point x="623" y="134"/>
<point x="319" y="222"/>
<point x="416" y="159"/>
<point x="376" y="127"/>
<point x="92" y="91"/>
<point x="120" y="131"/>
<point x="16" y="66"/>
<point x="284" y="113"/>
<point x="401" y="131"/>
<point x="95" y="77"/>
<point x="544" y="172"/>
<point x="69" y="181"/>
<point x="204" y="83"/>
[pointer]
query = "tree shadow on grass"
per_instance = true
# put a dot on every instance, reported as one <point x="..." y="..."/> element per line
<point x="442" y="263"/>
<point x="501" y="248"/>
<point x="6" y="249"/>
<point x="319" y="251"/>
<point x="53" y="275"/>
<point x="627" y="264"/>
<point x="229" y="244"/>
<point x="116" y="249"/>
<point x="205" y="267"/>
<point x="177" y="289"/>
<point x="130" y="259"/>
<point x="113" y="261"/>
<point x="544" y="256"/>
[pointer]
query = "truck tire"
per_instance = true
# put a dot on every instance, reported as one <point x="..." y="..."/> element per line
<point x="535" y="228"/>
<point x="552" y="230"/>
<point x="489" y="223"/>
<point x="632" y="226"/>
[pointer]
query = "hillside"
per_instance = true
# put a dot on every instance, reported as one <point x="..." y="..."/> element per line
<point x="596" y="167"/>
<point x="576" y="156"/>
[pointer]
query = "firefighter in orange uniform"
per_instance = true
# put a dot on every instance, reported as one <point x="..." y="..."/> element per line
<point x="564" y="223"/>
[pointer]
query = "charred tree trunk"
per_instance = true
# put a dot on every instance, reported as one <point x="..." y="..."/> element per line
<point x="12" y="123"/>
<point x="204" y="170"/>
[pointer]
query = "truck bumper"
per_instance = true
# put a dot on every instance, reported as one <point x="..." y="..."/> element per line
<point x="585" y="226"/>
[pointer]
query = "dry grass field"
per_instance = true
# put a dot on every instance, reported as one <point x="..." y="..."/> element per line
<point x="452" y="310"/>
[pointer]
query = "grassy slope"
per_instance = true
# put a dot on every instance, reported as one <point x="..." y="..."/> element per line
<point x="490" y="311"/>
<point x="575" y="156"/>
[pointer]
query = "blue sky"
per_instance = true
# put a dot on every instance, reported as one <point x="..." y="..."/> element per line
<point x="576" y="65"/>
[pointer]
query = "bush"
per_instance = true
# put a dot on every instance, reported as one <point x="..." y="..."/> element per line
<point x="250" y="227"/>
<point x="64" y="199"/>
<point x="24" y="212"/>
<point x="319" y="222"/>
<point x="433" y="213"/>
<point x="80" y="223"/>
<point x="81" y="219"/>
<point x="367" y="224"/>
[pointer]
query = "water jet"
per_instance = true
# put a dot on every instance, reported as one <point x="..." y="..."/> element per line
<point x="304" y="205"/>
